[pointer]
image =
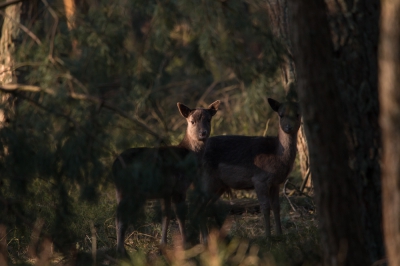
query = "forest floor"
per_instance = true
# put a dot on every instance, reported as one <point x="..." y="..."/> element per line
<point x="241" y="241"/>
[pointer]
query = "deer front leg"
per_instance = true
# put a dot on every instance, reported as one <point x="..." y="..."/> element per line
<point x="165" y="214"/>
<point x="180" y="211"/>
<point x="274" y="196"/>
<point x="261" y="187"/>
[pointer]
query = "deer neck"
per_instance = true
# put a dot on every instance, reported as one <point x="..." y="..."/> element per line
<point x="287" y="145"/>
<point x="193" y="145"/>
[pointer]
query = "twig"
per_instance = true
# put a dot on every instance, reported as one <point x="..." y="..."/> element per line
<point x="53" y="33"/>
<point x="266" y="128"/>
<point x="208" y="90"/>
<point x="284" y="193"/>
<point x="76" y="81"/>
<point x="9" y="3"/>
<point x="21" y="87"/>
<point x="303" y="185"/>
<point x="22" y="27"/>
<point x="138" y="233"/>
<point x="298" y="190"/>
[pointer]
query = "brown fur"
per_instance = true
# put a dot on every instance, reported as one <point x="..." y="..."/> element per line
<point x="260" y="163"/>
<point x="161" y="173"/>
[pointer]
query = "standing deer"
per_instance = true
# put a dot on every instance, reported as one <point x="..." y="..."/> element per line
<point x="260" y="163"/>
<point x="161" y="173"/>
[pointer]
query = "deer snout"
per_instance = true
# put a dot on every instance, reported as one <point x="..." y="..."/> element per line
<point x="203" y="134"/>
<point x="288" y="128"/>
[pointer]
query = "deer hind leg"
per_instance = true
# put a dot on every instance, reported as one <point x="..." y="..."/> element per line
<point x="180" y="209"/>
<point x="127" y="210"/>
<point x="165" y="214"/>
<point x="274" y="195"/>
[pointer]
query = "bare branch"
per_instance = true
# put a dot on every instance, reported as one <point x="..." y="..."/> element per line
<point x="20" y="87"/>
<point x="83" y="97"/>
<point x="284" y="193"/>
<point x="22" y="27"/>
<point x="9" y="3"/>
<point x="53" y="33"/>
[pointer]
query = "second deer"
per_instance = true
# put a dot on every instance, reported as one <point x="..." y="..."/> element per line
<point x="161" y="173"/>
<point x="260" y="163"/>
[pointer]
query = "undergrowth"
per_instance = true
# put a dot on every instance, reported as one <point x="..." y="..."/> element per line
<point x="241" y="241"/>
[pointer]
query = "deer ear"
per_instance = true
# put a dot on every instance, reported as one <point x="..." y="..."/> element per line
<point x="213" y="108"/>
<point x="184" y="110"/>
<point x="274" y="104"/>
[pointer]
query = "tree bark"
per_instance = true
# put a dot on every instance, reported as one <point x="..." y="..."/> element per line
<point x="389" y="84"/>
<point x="354" y="29"/>
<point x="9" y="33"/>
<point x="70" y="9"/>
<point x="337" y="88"/>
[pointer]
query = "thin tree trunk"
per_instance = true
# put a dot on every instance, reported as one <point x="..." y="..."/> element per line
<point x="70" y="9"/>
<point x="344" y="155"/>
<point x="389" y="76"/>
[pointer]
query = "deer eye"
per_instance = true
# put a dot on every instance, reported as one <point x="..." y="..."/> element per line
<point x="192" y="122"/>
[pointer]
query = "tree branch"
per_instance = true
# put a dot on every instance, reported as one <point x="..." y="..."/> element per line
<point x="53" y="33"/>
<point x="83" y="97"/>
<point x="22" y="27"/>
<point x="9" y="3"/>
<point x="284" y="193"/>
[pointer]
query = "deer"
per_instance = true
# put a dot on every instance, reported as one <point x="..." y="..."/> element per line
<point x="163" y="173"/>
<point x="252" y="162"/>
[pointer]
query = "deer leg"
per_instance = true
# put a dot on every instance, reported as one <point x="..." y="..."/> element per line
<point x="214" y="210"/>
<point x="121" y="223"/>
<point x="274" y="193"/>
<point x="165" y="214"/>
<point x="263" y="195"/>
<point x="219" y="210"/>
<point x="201" y="218"/>
<point x="180" y="211"/>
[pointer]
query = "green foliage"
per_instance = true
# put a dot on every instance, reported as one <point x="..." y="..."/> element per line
<point x="112" y="82"/>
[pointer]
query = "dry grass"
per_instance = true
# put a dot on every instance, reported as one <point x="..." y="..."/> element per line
<point x="241" y="242"/>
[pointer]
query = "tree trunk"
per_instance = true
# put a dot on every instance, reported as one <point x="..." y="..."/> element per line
<point x="278" y="16"/>
<point x="337" y="87"/>
<point x="10" y="32"/>
<point x="70" y="9"/>
<point x="354" y="29"/>
<point x="389" y="76"/>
